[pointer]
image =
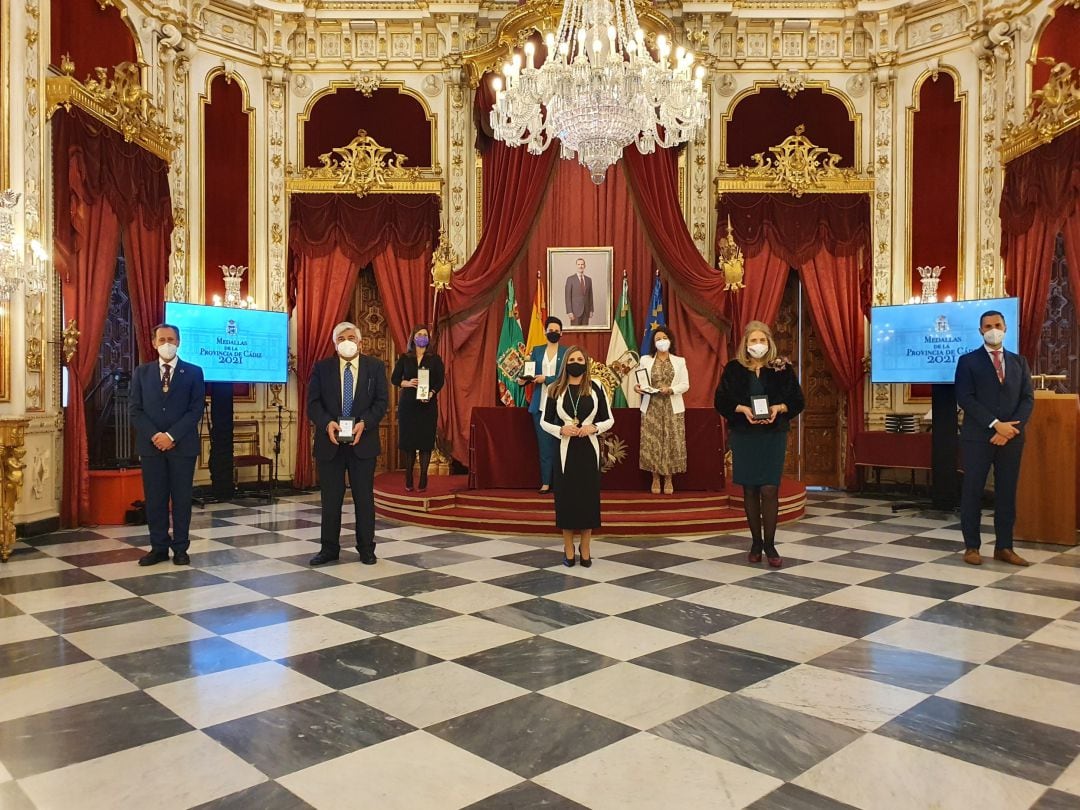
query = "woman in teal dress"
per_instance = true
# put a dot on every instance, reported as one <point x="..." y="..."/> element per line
<point x="758" y="445"/>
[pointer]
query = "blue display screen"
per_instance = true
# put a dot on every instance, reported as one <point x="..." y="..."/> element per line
<point x="920" y="343"/>
<point x="233" y="345"/>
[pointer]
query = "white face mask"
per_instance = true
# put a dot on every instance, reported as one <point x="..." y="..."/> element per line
<point x="994" y="337"/>
<point x="757" y="350"/>
<point x="663" y="345"/>
<point x="347" y="349"/>
<point x="167" y="351"/>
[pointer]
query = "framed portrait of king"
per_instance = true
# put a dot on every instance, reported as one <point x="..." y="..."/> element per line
<point x="579" y="287"/>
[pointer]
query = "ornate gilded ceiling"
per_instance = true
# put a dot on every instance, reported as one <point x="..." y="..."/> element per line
<point x="426" y="35"/>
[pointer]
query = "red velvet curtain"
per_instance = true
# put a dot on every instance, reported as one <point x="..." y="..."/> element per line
<point x="468" y="336"/>
<point x="654" y="181"/>
<point x="104" y="187"/>
<point x="1041" y="191"/>
<point x="87" y="266"/>
<point x="836" y="291"/>
<point x="796" y="228"/>
<point x="333" y="236"/>
<point x="404" y="278"/>
<point x="324" y="288"/>
<point x="146" y="250"/>
<point x="1071" y="229"/>
<point x="765" y="276"/>
<point x="602" y="215"/>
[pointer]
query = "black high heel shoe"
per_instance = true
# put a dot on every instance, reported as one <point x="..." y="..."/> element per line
<point x="570" y="561"/>
<point x="586" y="562"/>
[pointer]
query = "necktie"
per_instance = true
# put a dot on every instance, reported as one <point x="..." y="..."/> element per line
<point x="166" y="377"/>
<point x="998" y="365"/>
<point x="582" y="280"/>
<point x="347" y="394"/>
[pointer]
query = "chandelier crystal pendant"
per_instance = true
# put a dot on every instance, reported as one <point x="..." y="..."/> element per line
<point x="599" y="90"/>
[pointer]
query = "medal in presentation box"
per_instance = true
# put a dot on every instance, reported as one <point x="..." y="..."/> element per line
<point x="345" y="432"/>
<point x="759" y="404"/>
<point x="423" y="384"/>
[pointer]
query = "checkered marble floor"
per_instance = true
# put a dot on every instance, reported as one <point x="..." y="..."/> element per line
<point x="875" y="670"/>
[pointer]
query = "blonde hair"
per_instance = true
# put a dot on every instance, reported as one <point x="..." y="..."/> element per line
<point x="563" y="381"/>
<point x="744" y="357"/>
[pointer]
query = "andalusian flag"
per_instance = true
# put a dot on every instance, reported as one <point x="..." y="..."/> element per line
<point x="656" y="317"/>
<point x="622" y="343"/>
<point x="511" y="353"/>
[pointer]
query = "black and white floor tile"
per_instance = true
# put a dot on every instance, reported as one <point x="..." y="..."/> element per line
<point x="875" y="670"/>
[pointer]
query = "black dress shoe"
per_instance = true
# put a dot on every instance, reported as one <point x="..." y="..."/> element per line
<point x="153" y="557"/>
<point x="322" y="558"/>
<point x="181" y="558"/>
<point x="367" y="556"/>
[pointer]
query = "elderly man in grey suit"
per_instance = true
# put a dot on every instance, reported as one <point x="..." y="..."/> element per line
<point x="579" y="296"/>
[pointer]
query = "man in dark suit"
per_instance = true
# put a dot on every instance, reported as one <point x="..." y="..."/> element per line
<point x="993" y="386"/>
<point x="579" y="296"/>
<point x="166" y="405"/>
<point x="347" y="386"/>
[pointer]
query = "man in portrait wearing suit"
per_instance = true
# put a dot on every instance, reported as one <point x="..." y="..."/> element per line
<point x="166" y="404"/>
<point x="993" y="386"/>
<point x="579" y="296"/>
<point x="349" y="385"/>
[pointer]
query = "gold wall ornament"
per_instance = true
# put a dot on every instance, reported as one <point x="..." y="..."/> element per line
<point x="442" y="263"/>
<point x="797" y="166"/>
<point x="119" y="102"/>
<point x="12" y="452"/>
<point x="1053" y="110"/>
<point x="71" y="340"/>
<point x="730" y="258"/>
<point x="362" y="167"/>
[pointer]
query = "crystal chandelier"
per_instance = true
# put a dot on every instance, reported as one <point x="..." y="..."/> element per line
<point x="232" y="273"/>
<point x="599" y="89"/>
<point x="17" y="264"/>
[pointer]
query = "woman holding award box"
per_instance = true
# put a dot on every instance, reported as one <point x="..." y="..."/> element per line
<point x="419" y="374"/>
<point x="759" y="395"/>
<point x="663" y="413"/>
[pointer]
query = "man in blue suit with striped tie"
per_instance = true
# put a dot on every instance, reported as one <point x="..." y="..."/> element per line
<point x="348" y="386"/>
<point x="993" y="386"/>
<point x="166" y="404"/>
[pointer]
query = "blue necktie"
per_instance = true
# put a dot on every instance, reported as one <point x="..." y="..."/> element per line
<point x="347" y="395"/>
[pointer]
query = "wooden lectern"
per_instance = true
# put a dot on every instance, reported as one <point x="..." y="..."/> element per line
<point x="1048" y="497"/>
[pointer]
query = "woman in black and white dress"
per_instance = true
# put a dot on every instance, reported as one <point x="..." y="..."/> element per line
<point x="577" y="411"/>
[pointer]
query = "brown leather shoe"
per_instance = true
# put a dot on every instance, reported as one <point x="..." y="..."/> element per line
<point x="971" y="557"/>
<point x="1010" y="556"/>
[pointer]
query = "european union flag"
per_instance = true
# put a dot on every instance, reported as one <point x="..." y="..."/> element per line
<point x="656" y="317"/>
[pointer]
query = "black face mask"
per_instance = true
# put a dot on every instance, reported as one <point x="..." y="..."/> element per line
<point x="554" y="337"/>
<point x="575" y="369"/>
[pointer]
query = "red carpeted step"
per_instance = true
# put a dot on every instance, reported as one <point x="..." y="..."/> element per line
<point x="448" y="504"/>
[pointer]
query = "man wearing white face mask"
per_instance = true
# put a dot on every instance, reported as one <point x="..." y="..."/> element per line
<point x="347" y="399"/>
<point x="166" y="405"/>
<point x="993" y="386"/>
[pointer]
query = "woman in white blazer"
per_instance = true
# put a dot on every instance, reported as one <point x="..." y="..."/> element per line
<point x="577" y="411"/>
<point x="663" y="421"/>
